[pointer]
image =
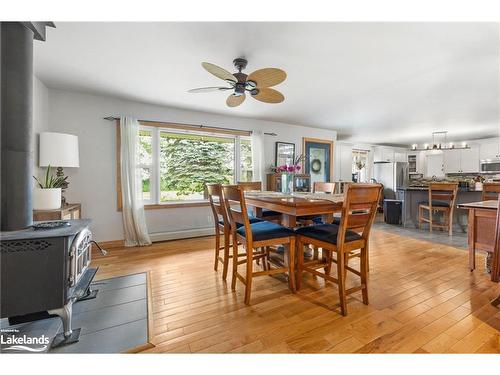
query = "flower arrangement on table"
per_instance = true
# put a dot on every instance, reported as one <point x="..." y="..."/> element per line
<point x="288" y="171"/>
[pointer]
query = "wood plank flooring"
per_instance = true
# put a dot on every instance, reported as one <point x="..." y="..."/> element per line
<point x="423" y="299"/>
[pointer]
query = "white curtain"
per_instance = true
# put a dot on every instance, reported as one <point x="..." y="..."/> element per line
<point x="258" y="156"/>
<point x="134" y="220"/>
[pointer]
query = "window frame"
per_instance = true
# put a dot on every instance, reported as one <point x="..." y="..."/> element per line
<point x="156" y="128"/>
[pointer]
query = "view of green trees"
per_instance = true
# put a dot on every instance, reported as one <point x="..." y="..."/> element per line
<point x="189" y="161"/>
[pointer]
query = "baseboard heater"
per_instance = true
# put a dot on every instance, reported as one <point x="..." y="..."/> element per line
<point x="177" y="235"/>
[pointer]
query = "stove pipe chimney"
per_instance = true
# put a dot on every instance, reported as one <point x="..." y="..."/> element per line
<point x="17" y="121"/>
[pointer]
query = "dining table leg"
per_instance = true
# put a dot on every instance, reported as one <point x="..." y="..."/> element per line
<point x="289" y="221"/>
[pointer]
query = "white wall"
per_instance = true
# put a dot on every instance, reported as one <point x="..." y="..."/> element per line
<point x="94" y="183"/>
<point x="40" y="118"/>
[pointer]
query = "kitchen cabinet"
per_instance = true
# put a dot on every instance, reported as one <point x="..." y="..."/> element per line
<point x="461" y="161"/>
<point x="489" y="150"/>
<point x="400" y="157"/>
<point x="416" y="162"/>
<point x="469" y="160"/>
<point x="383" y="154"/>
<point x="434" y="165"/>
<point x="452" y="161"/>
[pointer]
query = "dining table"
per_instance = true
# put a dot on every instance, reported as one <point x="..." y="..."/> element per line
<point x="294" y="205"/>
<point x="482" y="219"/>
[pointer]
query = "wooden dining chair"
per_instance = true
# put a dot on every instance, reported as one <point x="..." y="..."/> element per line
<point x="222" y="227"/>
<point x="261" y="235"/>
<point x="491" y="191"/>
<point x="495" y="266"/>
<point x="318" y="187"/>
<point x="344" y="240"/>
<point x="266" y="214"/>
<point x="441" y="199"/>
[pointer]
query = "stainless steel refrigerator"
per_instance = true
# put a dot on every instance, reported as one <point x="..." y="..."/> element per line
<point x="392" y="176"/>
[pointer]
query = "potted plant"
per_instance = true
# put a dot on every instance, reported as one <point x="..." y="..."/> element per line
<point x="47" y="196"/>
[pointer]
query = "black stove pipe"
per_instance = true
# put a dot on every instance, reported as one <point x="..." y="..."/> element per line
<point x="17" y="126"/>
<point x="16" y="102"/>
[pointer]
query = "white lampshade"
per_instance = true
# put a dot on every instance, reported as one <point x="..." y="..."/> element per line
<point x="58" y="150"/>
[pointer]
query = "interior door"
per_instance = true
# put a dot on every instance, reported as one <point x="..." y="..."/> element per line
<point x="317" y="160"/>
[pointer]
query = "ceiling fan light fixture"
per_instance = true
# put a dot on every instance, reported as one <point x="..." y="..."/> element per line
<point x="258" y="83"/>
<point x="251" y="85"/>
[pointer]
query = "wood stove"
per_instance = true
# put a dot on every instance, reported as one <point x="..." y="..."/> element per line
<point x="45" y="272"/>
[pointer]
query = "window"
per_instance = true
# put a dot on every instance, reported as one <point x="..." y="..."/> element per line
<point x="359" y="165"/>
<point x="176" y="164"/>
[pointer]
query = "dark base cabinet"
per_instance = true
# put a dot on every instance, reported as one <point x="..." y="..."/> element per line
<point x="301" y="182"/>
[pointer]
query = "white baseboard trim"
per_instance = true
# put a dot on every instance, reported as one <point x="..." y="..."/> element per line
<point x="189" y="233"/>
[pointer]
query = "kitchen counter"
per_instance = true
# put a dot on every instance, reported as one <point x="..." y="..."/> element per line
<point x="412" y="196"/>
<point x="425" y="188"/>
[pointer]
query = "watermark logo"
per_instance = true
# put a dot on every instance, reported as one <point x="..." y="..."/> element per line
<point x="12" y="341"/>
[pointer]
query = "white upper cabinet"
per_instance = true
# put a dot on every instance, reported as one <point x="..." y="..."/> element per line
<point x="469" y="160"/>
<point x="434" y="165"/>
<point x="452" y="161"/>
<point x="383" y="154"/>
<point x="489" y="150"/>
<point x="400" y="156"/>
<point x="461" y="161"/>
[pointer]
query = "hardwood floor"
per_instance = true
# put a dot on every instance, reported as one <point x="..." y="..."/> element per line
<point x="423" y="299"/>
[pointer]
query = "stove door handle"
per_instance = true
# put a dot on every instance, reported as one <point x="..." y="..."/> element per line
<point x="103" y="252"/>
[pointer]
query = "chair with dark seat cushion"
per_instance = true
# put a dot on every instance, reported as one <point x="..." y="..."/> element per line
<point x="261" y="235"/>
<point x="352" y="234"/>
<point x="436" y="203"/>
<point x="491" y="191"/>
<point x="327" y="233"/>
<point x="266" y="230"/>
<point x="222" y="227"/>
<point x="441" y="199"/>
<point x="318" y="187"/>
<point x="266" y="214"/>
<point x="239" y="225"/>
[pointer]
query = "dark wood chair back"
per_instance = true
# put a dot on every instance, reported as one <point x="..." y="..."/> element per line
<point x="216" y="198"/>
<point x="443" y="191"/>
<point x="324" y="187"/>
<point x="491" y="191"/>
<point x="253" y="185"/>
<point x="359" y="209"/>
<point x="234" y="200"/>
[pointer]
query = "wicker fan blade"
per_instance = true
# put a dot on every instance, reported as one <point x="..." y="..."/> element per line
<point x="267" y="77"/>
<point x="219" y="72"/>
<point x="209" y="89"/>
<point x="234" y="101"/>
<point x="268" y="95"/>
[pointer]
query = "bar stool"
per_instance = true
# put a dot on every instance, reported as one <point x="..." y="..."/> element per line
<point x="496" y="254"/>
<point x="491" y="191"/>
<point x="442" y="198"/>
<point x="358" y="213"/>
<point x="261" y="235"/>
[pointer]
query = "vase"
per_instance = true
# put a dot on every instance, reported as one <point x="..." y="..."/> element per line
<point x="46" y="199"/>
<point x="287" y="183"/>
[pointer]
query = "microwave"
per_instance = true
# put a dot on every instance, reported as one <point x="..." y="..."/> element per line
<point x="490" y="166"/>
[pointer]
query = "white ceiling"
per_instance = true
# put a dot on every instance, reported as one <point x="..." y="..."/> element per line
<point x="391" y="83"/>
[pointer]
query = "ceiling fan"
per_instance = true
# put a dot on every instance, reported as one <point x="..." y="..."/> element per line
<point x="257" y="84"/>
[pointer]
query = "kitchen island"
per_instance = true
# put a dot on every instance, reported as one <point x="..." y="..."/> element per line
<point x="412" y="196"/>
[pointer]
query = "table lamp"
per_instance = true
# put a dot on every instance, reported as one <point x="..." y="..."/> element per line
<point x="59" y="150"/>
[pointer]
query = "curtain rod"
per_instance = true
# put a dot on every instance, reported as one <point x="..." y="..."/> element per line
<point x="114" y="118"/>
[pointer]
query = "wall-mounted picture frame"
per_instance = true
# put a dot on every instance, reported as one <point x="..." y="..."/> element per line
<point x="285" y="153"/>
